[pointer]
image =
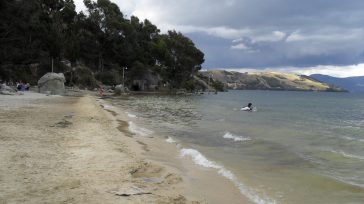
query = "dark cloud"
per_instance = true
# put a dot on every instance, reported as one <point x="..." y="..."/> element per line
<point x="273" y="13"/>
<point x="309" y="33"/>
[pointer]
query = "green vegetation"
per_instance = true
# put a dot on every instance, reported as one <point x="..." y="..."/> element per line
<point x="211" y="81"/>
<point x="38" y="34"/>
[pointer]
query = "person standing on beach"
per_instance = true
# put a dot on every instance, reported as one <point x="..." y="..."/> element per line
<point x="18" y="86"/>
<point x="101" y="92"/>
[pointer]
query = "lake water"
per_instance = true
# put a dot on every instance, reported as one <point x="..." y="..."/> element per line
<point x="298" y="147"/>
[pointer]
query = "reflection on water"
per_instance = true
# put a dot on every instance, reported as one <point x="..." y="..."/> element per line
<point x="300" y="147"/>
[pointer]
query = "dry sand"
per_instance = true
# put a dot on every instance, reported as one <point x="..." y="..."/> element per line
<point x="70" y="150"/>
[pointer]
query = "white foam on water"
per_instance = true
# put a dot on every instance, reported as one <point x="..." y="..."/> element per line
<point x="346" y="178"/>
<point x="107" y="106"/>
<point x="344" y="154"/>
<point x="349" y="138"/>
<point x="131" y="115"/>
<point x="139" y="130"/>
<point x="170" y="140"/>
<point x="201" y="160"/>
<point x="353" y="139"/>
<point x="236" y="138"/>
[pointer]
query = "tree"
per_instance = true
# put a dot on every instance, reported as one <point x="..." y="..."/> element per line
<point x="53" y="27"/>
<point x="179" y="58"/>
<point x="107" y="24"/>
<point x="32" y="32"/>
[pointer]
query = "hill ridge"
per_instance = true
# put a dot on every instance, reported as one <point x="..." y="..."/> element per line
<point x="269" y="81"/>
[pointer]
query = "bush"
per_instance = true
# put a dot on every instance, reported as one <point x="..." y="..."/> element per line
<point x="218" y="85"/>
<point x="190" y="85"/>
<point x="111" y="77"/>
<point x="82" y="77"/>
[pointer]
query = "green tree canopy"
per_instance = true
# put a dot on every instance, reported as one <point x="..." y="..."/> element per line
<point x="36" y="31"/>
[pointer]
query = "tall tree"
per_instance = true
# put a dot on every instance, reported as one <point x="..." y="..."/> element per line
<point x="35" y="31"/>
<point x="179" y="58"/>
<point x="108" y="25"/>
<point x="53" y="28"/>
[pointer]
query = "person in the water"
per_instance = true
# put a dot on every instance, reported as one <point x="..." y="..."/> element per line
<point x="248" y="108"/>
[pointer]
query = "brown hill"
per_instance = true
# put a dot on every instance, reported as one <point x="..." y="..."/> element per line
<point x="269" y="81"/>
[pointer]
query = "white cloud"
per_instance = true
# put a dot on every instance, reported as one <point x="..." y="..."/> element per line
<point x="240" y="46"/>
<point x="295" y="36"/>
<point x="337" y="71"/>
<point x="126" y="6"/>
<point x="79" y="5"/>
<point x="268" y="37"/>
<point x="226" y="32"/>
<point x="220" y="31"/>
<point x="236" y="35"/>
<point x="237" y="40"/>
<point x="328" y="35"/>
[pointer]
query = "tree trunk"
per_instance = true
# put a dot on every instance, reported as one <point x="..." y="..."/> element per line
<point x="101" y="63"/>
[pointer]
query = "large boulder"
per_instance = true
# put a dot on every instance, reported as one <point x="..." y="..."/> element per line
<point x="119" y="89"/>
<point x="6" y="90"/>
<point x="4" y="87"/>
<point x="52" y="83"/>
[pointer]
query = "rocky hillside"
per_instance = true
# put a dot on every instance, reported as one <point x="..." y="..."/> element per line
<point x="352" y="84"/>
<point x="268" y="81"/>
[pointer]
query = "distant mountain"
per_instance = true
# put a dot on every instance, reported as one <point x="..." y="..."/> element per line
<point x="352" y="84"/>
<point x="268" y="81"/>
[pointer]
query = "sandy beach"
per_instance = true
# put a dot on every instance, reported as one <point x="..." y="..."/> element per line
<point x="57" y="149"/>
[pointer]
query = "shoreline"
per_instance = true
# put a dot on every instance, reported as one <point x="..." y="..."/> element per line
<point x="199" y="182"/>
<point x="70" y="149"/>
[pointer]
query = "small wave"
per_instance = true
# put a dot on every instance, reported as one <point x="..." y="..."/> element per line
<point x="139" y="130"/>
<point x="351" y="180"/>
<point x="353" y="139"/>
<point x="344" y="154"/>
<point x="236" y="138"/>
<point x="170" y="140"/>
<point x="201" y="160"/>
<point x="131" y="115"/>
<point x="349" y="138"/>
<point x="346" y="178"/>
<point x="106" y="106"/>
<point x="310" y="158"/>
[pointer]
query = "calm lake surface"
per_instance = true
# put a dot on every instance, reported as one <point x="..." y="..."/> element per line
<point x="298" y="147"/>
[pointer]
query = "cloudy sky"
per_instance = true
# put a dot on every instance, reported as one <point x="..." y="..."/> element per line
<point x="304" y="36"/>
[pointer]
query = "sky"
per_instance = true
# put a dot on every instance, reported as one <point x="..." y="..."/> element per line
<point x="300" y="36"/>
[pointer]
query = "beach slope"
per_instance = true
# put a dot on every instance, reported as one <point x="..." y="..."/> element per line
<point x="69" y="150"/>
